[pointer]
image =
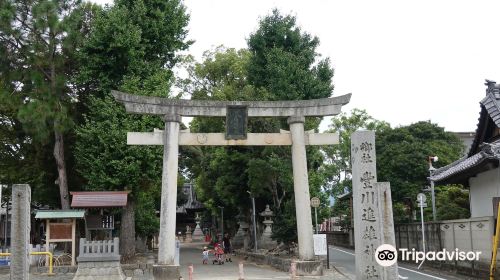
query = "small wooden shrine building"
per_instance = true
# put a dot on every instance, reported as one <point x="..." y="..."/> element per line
<point x="100" y="219"/>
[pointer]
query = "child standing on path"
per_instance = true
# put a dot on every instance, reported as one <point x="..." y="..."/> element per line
<point x="205" y="255"/>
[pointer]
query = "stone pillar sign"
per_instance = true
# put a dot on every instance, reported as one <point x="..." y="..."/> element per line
<point x="371" y="211"/>
<point x="20" y="231"/>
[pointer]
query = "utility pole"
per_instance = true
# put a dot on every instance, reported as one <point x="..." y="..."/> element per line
<point x="222" y="221"/>
<point x="433" y="197"/>
<point x="421" y="203"/>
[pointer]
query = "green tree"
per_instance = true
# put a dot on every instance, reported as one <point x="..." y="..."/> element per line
<point x="131" y="41"/>
<point x="132" y="48"/>
<point x="24" y="160"/>
<point x="280" y="64"/>
<point x="285" y="65"/>
<point x="338" y="157"/>
<point x="285" y="61"/>
<point x="221" y="173"/>
<point x="402" y="158"/>
<point x="337" y="165"/>
<point x="452" y="202"/>
<point x="38" y="41"/>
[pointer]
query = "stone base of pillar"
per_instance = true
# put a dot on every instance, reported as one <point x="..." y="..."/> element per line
<point x="266" y="242"/>
<point x="99" y="270"/>
<point x="166" y="272"/>
<point x="309" y="268"/>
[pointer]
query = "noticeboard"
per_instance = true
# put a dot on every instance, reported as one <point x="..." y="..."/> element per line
<point x="320" y="245"/>
<point x="60" y="231"/>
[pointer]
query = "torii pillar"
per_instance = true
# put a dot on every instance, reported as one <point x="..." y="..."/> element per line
<point x="301" y="189"/>
<point x="172" y="110"/>
<point x="166" y="250"/>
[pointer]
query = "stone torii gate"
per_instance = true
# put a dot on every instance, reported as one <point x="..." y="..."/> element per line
<point x="236" y="113"/>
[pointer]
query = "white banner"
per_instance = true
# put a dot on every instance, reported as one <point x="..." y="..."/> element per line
<point x="320" y="245"/>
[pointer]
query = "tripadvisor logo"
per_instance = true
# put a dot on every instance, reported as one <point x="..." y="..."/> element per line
<point x="387" y="255"/>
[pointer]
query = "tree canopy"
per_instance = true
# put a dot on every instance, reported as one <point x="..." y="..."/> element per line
<point x="402" y="159"/>
<point x="281" y="63"/>
<point x="337" y="165"/>
<point x="38" y="45"/>
<point x="133" y="47"/>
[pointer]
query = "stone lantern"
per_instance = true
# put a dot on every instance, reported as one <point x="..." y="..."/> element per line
<point x="266" y="241"/>
<point x="198" y="234"/>
<point x="238" y="240"/>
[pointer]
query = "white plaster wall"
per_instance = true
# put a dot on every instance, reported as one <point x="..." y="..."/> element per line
<point x="483" y="188"/>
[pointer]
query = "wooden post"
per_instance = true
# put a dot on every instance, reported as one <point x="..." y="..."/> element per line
<point x="47" y="242"/>
<point x="73" y="241"/>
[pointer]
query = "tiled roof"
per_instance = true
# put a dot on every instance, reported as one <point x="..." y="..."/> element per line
<point x="459" y="166"/>
<point x="490" y="108"/>
<point x="192" y="203"/>
<point x="480" y="151"/>
<point x="99" y="199"/>
<point x="490" y="103"/>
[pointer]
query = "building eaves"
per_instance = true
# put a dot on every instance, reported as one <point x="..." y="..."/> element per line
<point x="488" y="153"/>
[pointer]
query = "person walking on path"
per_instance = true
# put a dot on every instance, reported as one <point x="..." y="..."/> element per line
<point x="205" y="255"/>
<point x="227" y="247"/>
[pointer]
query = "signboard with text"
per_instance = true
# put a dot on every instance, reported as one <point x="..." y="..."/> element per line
<point x="320" y="245"/>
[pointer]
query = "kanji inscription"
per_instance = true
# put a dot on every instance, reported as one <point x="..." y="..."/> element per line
<point x="236" y="122"/>
<point x="373" y="222"/>
<point x="369" y="233"/>
<point x="366" y="212"/>
<point x="367" y="179"/>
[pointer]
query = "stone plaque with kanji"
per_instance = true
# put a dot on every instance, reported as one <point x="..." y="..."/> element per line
<point x="236" y="122"/>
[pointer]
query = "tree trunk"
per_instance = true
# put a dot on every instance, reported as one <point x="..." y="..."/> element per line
<point x="61" y="169"/>
<point x="127" y="231"/>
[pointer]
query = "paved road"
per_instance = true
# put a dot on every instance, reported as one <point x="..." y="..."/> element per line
<point x="191" y="253"/>
<point x="229" y="270"/>
<point x="343" y="260"/>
